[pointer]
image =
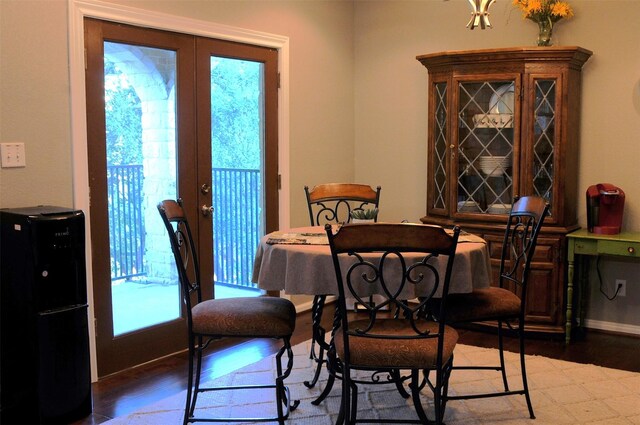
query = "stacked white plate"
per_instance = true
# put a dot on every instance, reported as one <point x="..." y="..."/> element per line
<point x="468" y="206"/>
<point x="494" y="165"/>
<point x="499" y="209"/>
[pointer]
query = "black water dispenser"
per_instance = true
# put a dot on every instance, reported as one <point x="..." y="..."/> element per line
<point x="45" y="372"/>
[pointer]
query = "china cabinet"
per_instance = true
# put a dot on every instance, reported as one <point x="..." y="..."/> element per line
<point x="506" y="123"/>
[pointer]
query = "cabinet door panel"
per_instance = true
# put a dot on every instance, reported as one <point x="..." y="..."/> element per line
<point x="542" y="166"/>
<point x="439" y="169"/>
<point x="486" y="138"/>
<point x="541" y="299"/>
<point x="544" y="294"/>
<point x="543" y="254"/>
<point x="544" y="290"/>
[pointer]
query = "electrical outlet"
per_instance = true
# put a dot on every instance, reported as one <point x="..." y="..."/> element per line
<point x="12" y="155"/>
<point x="621" y="287"/>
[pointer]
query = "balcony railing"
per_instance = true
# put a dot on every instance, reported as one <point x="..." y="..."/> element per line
<point x="126" y="223"/>
<point x="236" y="223"/>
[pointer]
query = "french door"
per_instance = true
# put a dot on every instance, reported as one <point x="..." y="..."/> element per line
<point x="172" y="116"/>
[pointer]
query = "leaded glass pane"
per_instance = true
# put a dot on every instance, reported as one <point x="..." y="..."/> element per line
<point x="544" y="138"/>
<point x="485" y="147"/>
<point x="440" y="171"/>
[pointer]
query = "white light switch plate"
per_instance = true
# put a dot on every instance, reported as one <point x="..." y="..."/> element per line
<point x="13" y="155"/>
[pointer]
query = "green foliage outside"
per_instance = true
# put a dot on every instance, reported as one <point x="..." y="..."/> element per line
<point x="123" y="114"/>
<point x="236" y="113"/>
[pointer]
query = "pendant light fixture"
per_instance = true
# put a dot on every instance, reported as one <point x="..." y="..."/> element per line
<point x="480" y="14"/>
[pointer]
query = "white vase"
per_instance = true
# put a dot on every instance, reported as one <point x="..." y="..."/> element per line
<point x="362" y="220"/>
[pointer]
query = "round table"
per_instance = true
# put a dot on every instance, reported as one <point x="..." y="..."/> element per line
<point x="299" y="264"/>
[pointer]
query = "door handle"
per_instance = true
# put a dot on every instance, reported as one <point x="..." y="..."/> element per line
<point x="206" y="210"/>
<point x="205" y="188"/>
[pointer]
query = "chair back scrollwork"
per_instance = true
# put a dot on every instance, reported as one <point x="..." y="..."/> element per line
<point x="184" y="251"/>
<point x="334" y="202"/>
<point x="520" y="240"/>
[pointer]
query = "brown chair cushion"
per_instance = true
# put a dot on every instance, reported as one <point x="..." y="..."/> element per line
<point x="245" y="316"/>
<point x="482" y="304"/>
<point x="396" y="353"/>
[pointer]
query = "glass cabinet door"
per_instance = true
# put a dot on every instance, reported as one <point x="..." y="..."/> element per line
<point x="544" y="137"/>
<point x="440" y="199"/>
<point x="484" y="158"/>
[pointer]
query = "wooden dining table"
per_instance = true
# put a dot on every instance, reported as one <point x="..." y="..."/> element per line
<point x="298" y="261"/>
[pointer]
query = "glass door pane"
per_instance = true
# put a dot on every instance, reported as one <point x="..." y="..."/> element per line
<point x="237" y="143"/>
<point x="485" y="147"/>
<point x="441" y="147"/>
<point x="140" y="126"/>
<point x="544" y="138"/>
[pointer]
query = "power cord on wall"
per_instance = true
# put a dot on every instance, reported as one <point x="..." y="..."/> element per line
<point x="600" y="281"/>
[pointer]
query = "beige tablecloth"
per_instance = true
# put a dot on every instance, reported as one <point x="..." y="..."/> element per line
<point x="308" y="269"/>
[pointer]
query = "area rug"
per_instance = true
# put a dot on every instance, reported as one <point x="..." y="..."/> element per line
<point x="562" y="393"/>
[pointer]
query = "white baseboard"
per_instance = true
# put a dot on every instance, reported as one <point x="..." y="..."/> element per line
<point x="588" y="323"/>
<point x="612" y="326"/>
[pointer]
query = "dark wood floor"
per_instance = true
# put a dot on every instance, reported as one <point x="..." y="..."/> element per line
<point x="127" y="391"/>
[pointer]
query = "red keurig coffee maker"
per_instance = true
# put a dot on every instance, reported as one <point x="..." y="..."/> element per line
<point x="605" y="204"/>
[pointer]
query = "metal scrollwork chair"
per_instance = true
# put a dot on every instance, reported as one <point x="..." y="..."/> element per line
<point x="208" y="320"/>
<point x="392" y="259"/>
<point x="505" y="303"/>
<point x="332" y="203"/>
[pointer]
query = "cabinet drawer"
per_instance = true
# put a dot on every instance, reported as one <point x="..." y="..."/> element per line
<point x="623" y="248"/>
<point x="586" y="247"/>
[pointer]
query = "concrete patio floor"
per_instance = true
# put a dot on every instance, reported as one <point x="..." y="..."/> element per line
<point x="138" y="305"/>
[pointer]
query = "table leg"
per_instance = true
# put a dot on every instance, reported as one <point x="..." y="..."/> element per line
<point x="583" y="275"/>
<point x="330" y="359"/>
<point x="317" y="339"/>
<point x="570" y="277"/>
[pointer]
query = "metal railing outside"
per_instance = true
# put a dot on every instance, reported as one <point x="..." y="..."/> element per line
<point x="126" y="224"/>
<point x="236" y="224"/>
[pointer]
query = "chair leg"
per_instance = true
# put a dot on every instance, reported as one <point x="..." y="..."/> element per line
<point x="196" y="388"/>
<point x="187" y="407"/>
<point x="523" y="369"/>
<point x="446" y="373"/>
<point x="396" y="377"/>
<point x="281" y="396"/>
<point x="282" y="400"/>
<point x="346" y="396"/>
<point x="354" y="402"/>
<point x="340" y="420"/>
<point x="501" y="354"/>
<point x="415" y="394"/>
<point x="437" y="398"/>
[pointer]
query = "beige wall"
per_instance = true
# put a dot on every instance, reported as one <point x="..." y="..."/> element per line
<point x="357" y="95"/>
<point x="34" y="102"/>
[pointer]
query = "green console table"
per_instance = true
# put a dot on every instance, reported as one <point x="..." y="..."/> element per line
<point x="581" y="242"/>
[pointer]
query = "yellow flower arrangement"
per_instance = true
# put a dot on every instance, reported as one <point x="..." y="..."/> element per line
<point x="544" y="10"/>
<point x="545" y="13"/>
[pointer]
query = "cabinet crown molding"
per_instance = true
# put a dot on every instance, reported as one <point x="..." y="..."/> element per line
<point x="573" y="55"/>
